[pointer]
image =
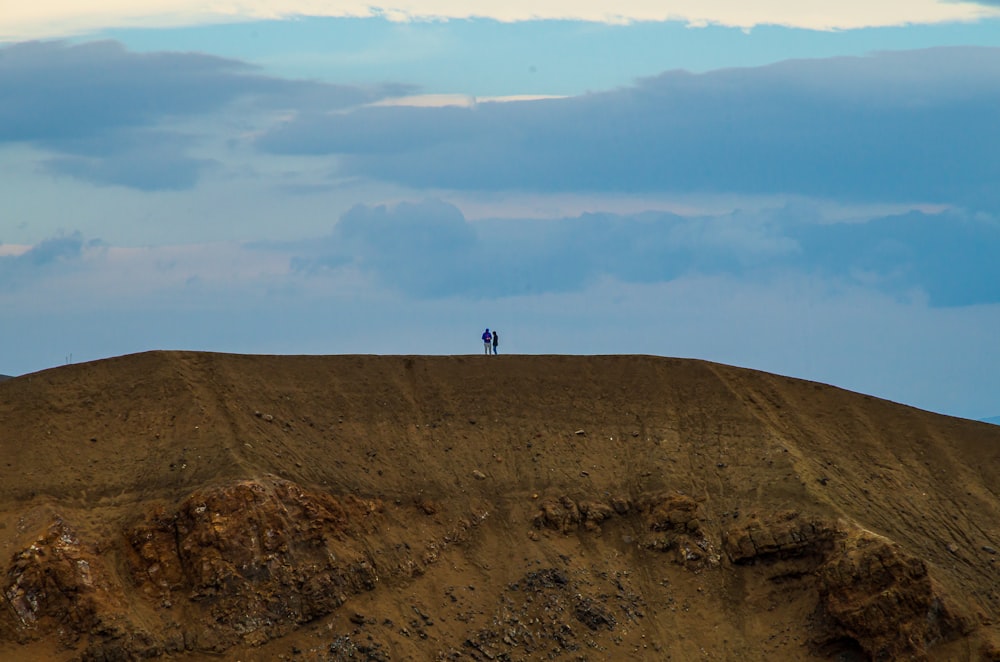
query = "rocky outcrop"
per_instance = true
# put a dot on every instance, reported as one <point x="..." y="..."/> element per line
<point x="566" y="515"/>
<point x="781" y="536"/>
<point x="248" y="562"/>
<point x="259" y="558"/>
<point x="875" y="593"/>
<point x="674" y="524"/>
<point x="871" y="592"/>
<point x="59" y="584"/>
<point x="241" y="563"/>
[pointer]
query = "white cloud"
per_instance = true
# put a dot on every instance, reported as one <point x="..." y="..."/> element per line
<point x="49" y="18"/>
<point x="463" y="100"/>
<point x="13" y="250"/>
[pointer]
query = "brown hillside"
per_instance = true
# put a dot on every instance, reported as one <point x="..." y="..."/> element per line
<point x="192" y="506"/>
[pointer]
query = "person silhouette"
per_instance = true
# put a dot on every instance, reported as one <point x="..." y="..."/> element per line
<point x="487" y="340"/>
<point x="496" y="340"/>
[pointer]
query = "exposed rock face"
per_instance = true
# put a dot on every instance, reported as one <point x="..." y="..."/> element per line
<point x="258" y="557"/>
<point x="59" y="584"/>
<point x="674" y="522"/>
<point x="249" y="562"/>
<point x="875" y="593"/>
<point x="252" y="560"/>
<point x="870" y="591"/>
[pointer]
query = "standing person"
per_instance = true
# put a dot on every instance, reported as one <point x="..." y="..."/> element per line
<point x="496" y="340"/>
<point x="487" y="340"/>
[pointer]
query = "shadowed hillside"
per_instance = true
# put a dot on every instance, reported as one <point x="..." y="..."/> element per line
<point x="192" y="506"/>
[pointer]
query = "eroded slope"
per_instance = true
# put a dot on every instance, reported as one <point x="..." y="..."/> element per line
<point x="361" y="507"/>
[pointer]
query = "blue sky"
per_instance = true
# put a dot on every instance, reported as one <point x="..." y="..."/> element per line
<point x="806" y="190"/>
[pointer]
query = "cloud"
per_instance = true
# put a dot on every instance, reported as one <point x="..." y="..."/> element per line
<point x="137" y="170"/>
<point x="107" y="111"/>
<point x="56" y="91"/>
<point x="57" y="249"/>
<point x="891" y="127"/>
<point x="947" y="257"/>
<point x="60" y="17"/>
<point x="388" y="130"/>
<point x="424" y="248"/>
<point x="429" y="251"/>
<point x="51" y="257"/>
<point x="142" y="159"/>
<point x="917" y="125"/>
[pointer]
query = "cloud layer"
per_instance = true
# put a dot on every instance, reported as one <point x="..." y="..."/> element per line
<point x="428" y="250"/>
<point x="111" y="116"/>
<point x="49" y="18"/>
<point x="906" y="126"/>
<point x="917" y="125"/>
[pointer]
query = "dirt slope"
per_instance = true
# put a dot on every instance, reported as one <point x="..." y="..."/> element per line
<point x="202" y="506"/>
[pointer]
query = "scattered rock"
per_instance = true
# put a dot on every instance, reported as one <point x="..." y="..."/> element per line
<point x="593" y="614"/>
<point x="620" y="505"/>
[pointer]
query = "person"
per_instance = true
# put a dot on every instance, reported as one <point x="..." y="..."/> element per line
<point x="487" y="339"/>
<point x="496" y="340"/>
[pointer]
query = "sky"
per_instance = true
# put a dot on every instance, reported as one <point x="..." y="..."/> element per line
<point x="810" y="189"/>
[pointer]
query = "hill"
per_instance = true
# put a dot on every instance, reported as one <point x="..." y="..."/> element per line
<point x="194" y="506"/>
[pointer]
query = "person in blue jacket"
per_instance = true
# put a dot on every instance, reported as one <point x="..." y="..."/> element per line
<point x="487" y="340"/>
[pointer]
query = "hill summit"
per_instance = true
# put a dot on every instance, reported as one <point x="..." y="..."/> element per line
<point x="187" y="506"/>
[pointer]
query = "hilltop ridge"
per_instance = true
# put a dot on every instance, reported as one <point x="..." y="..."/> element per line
<point x="469" y="507"/>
